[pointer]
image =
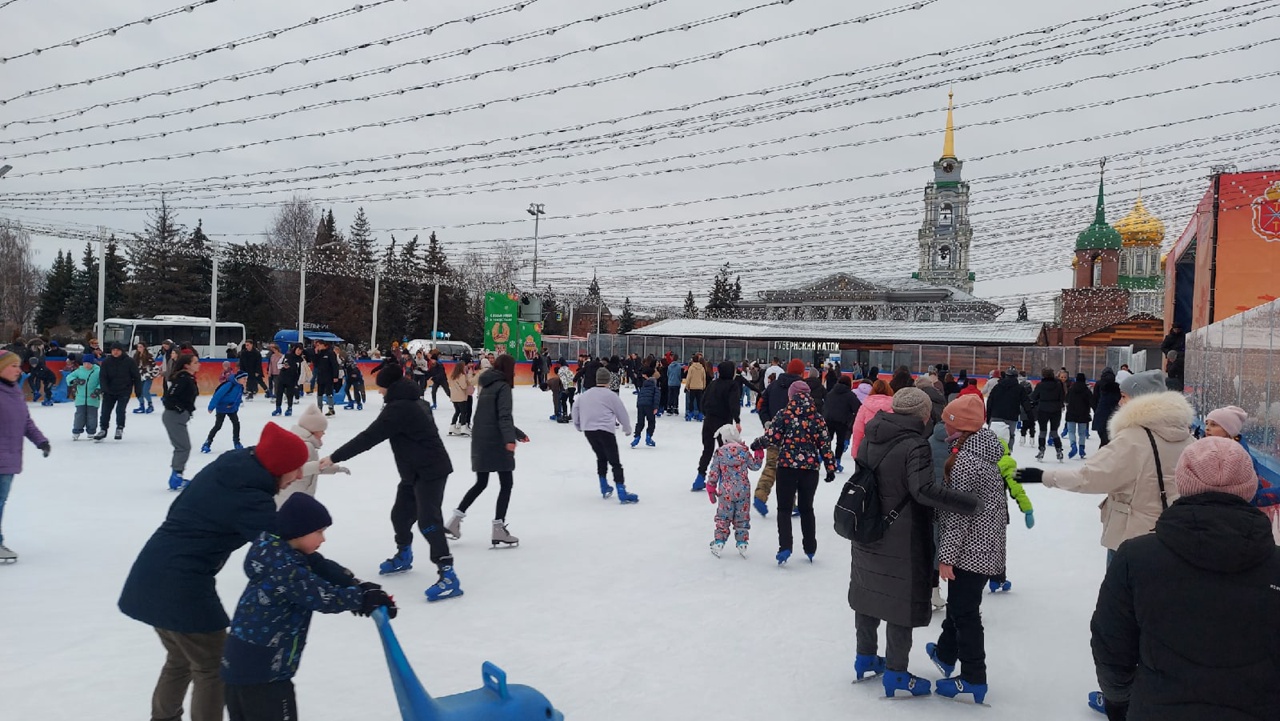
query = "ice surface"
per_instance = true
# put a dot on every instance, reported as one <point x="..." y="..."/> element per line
<point x="614" y="612"/>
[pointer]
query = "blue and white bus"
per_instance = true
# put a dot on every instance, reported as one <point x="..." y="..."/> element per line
<point x="177" y="328"/>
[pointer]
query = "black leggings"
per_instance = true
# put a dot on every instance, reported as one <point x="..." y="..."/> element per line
<point x="355" y="392"/>
<point x="419" y="498"/>
<point x="805" y="482"/>
<point x="1049" y="421"/>
<point x="275" y="701"/>
<point x="605" y="445"/>
<point x="482" y="482"/>
<point x="286" y="391"/>
<point x="644" y="416"/>
<point x="840" y="434"/>
<point x="461" y="413"/>
<point x="217" y="426"/>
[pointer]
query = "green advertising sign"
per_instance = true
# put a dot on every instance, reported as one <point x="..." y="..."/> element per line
<point x="504" y="332"/>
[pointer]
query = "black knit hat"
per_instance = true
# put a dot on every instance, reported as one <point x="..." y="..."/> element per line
<point x="389" y="372"/>
<point x="301" y="514"/>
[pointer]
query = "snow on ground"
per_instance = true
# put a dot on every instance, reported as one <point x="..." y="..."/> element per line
<point x="614" y="612"/>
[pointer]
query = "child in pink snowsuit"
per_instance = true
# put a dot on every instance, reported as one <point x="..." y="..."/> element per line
<point x="727" y="479"/>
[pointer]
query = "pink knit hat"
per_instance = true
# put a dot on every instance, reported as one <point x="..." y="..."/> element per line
<point x="1216" y="464"/>
<point x="798" y="388"/>
<point x="1231" y="418"/>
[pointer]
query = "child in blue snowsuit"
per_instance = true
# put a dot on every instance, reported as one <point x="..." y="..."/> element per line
<point x="226" y="401"/>
<point x="269" y="630"/>
<point x="646" y="406"/>
<point x="727" y="480"/>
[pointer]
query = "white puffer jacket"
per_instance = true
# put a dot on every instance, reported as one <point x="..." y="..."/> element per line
<point x="1125" y="468"/>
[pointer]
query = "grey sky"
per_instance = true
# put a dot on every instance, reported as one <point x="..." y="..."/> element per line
<point x="1024" y="222"/>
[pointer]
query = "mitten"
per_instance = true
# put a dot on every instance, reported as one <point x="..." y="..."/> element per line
<point x="759" y="455"/>
<point x="340" y="469"/>
<point x="376" y="598"/>
<point x="711" y="492"/>
<point x="46" y="448"/>
<point x="1029" y="475"/>
<point x="1031" y="519"/>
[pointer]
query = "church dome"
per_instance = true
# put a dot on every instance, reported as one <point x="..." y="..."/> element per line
<point x="1099" y="235"/>
<point x="1140" y="227"/>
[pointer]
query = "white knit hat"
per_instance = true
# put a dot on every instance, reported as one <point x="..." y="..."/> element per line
<point x="728" y="433"/>
<point x="313" y="420"/>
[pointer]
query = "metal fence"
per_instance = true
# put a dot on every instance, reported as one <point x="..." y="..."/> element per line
<point x="977" y="360"/>
<point x="1237" y="362"/>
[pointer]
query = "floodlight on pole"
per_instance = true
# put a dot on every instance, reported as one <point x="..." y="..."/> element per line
<point x="537" y="211"/>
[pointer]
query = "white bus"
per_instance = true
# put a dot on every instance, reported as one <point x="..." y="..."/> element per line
<point x="177" y="328"/>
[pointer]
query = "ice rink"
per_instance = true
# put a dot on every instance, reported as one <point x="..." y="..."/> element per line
<point x="614" y="612"/>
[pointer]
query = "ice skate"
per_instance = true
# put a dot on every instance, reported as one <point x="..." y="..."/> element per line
<point x="1082" y="452"/>
<point x="464" y="429"/>
<point x="176" y="481"/>
<point x="1058" y="447"/>
<point x="399" y="563"/>
<point x="349" y="407"/>
<point x="782" y="556"/>
<point x="330" y="412"/>
<point x="150" y="408"/>
<point x="761" y="507"/>
<point x="937" y="601"/>
<point x="276" y="412"/>
<point x="119" y="433"/>
<point x="238" y="446"/>
<point x="699" y="483"/>
<point x="359" y="406"/>
<point x="206" y="448"/>
<point x="289" y="411"/>
<point x="606" y="490"/>
<point x="100" y="435"/>
<point x="6" y="555"/>
<point x="75" y="436"/>
<point x="895" y="681"/>
<point x="1040" y="455"/>
<point x="946" y="669"/>
<point x="625" y="497"/>
<point x="453" y="429"/>
<point x="742" y="548"/>
<point x="453" y="529"/>
<point x="864" y="664"/>
<point x="998" y="586"/>
<point x="717" y="547"/>
<point x="1097" y="702"/>
<point x="952" y="687"/>
<point x="1074" y="450"/>
<point x="447" y="587"/>
<point x="140" y="409"/>
<point x="502" y="537"/>
<point x="648" y="441"/>
<point x="635" y="441"/>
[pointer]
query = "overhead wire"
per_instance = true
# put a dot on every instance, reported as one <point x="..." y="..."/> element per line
<point x="189" y="7"/>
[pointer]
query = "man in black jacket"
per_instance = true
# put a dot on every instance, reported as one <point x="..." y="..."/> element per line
<point x="1005" y="404"/>
<point x="118" y="378"/>
<point x="325" y="369"/>
<point x="251" y="363"/>
<point x="424" y="467"/>
<point x="721" y="404"/>
<point x="1188" y="617"/>
<point x="840" y="409"/>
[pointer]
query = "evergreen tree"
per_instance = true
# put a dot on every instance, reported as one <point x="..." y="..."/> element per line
<point x="362" y="261"/>
<point x="82" y="306"/>
<point x="690" y="306"/>
<point x="1022" y="310"/>
<point x="736" y="296"/>
<point x="117" y="280"/>
<point x="56" y="294"/>
<point x="244" y="290"/>
<point x="162" y="269"/>
<point x="626" y="321"/>
<point x="410" y="287"/>
<point x="391" y="305"/>
<point x="720" y="301"/>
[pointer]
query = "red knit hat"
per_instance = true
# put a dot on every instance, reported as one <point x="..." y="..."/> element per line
<point x="966" y="413"/>
<point x="280" y="451"/>
<point x="795" y="367"/>
<point x="1216" y="464"/>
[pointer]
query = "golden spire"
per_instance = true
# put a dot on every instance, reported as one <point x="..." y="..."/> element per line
<point x="949" y="143"/>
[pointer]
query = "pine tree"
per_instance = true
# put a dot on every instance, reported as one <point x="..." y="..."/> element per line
<point x="720" y="301"/>
<point x="626" y="321"/>
<point x="362" y="259"/>
<point x="1022" y="310"/>
<point x="391" y="305"/>
<point x="56" y="293"/>
<point x="690" y="306"/>
<point x="736" y="296"/>
<point x="409" y="287"/>
<point x="244" y="290"/>
<point x="160" y="277"/>
<point x="82" y="306"/>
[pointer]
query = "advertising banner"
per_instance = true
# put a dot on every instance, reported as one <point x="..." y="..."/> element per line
<point x="1247" y="252"/>
<point x="501" y="329"/>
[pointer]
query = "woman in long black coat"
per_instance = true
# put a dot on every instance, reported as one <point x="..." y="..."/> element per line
<point x="1106" y="399"/>
<point x="1048" y="399"/>
<point x="493" y="447"/>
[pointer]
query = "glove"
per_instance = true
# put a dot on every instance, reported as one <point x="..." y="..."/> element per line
<point x="46" y="448"/>
<point x="1031" y="519"/>
<point x="340" y="469"/>
<point x="711" y="492"/>
<point x="376" y="598"/>
<point x="1029" y="475"/>
<point x="831" y="476"/>
<point x="369" y="586"/>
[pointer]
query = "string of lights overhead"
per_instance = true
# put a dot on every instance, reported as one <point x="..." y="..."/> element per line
<point x="109" y="32"/>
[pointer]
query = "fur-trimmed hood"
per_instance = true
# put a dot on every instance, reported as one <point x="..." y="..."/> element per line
<point x="1167" y="414"/>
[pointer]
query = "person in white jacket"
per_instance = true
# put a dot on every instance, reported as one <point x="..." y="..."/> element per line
<point x="598" y="414"/>
<point x="311" y="428"/>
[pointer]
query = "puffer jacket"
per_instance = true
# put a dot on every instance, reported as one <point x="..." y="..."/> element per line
<point x="1125" y="468"/>
<point x="649" y="395"/>
<point x="1106" y="399"/>
<point x="841" y="406"/>
<point x="460" y="387"/>
<point x="15" y="424"/>
<point x="1079" y="403"/>
<point x="696" y="380"/>
<point x="309" y="482"/>
<point x="871" y="405"/>
<point x="1049" y="397"/>
<point x="891" y="578"/>
<point x="1006" y="400"/>
<point x="84" y="381"/>
<point x="800" y="436"/>
<point x="976" y="543"/>
<point x="493" y="427"/>
<point x="722" y="399"/>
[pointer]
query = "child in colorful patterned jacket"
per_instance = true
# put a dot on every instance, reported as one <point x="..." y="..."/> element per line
<point x="727" y="480"/>
<point x="269" y="630"/>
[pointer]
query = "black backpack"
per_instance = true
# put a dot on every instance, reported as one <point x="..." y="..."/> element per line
<point x="859" y="516"/>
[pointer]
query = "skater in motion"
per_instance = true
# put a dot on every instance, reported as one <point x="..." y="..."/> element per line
<point x="354" y="383"/>
<point x="15" y="425"/>
<point x="461" y="385"/>
<point x="119" y="377"/>
<point x="647" y="399"/>
<point x="1181" y="613"/>
<point x="274" y="612"/>
<point x="971" y="548"/>
<point x="179" y="405"/>
<point x="171" y="586"/>
<point x="599" y="412"/>
<point x="800" y="435"/>
<point x="423" y="463"/>
<point x="83" y="387"/>
<point x="890" y="580"/>
<point x="226" y="403"/>
<point x="287" y="386"/>
<point x="728" y="483"/>
<point x="327" y="374"/>
<point x="718" y="404"/>
<point x="493" y="448"/>
<point x="1047" y="401"/>
<point x="147" y="371"/>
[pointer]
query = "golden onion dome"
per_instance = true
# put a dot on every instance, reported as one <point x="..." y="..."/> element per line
<point x="1075" y="262"/>
<point x="1140" y="227"/>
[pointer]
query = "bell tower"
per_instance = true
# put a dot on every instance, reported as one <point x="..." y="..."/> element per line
<point x="945" y="235"/>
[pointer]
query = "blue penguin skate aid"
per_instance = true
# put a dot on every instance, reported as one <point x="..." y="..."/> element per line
<point x="496" y="701"/>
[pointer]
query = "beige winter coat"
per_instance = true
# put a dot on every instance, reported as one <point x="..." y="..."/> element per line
<point x="460" y="388"/>
<point x="1125" y="468"/>
<point x="310" y="470"/>
<point x="697" y="378"/>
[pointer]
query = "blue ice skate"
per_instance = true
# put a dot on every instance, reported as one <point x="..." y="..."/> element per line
<point x="176" y="481"/>
<point x="997" y="586"/>
<point x="635" y="441"/>
<point x="206" y="448"/>
<point x="902" y="681"/>
<point x="606" y="490"/>
<point x="952" y="687"/>
<point x="648" y="441"/>
<point x="495" y="701"/>
<point x="447" y="587"/>
<point x="865" y="663"/>
<point x="761" y="507"/>
<point x="625" y="497"/>
<point x="945" y="668"/>
<point x="238" y="446"/>
<point x="399" y="563"/>
<point x="1097" y="702"/>
<point x="276" y="412"/>
<point x="782" y="556"/>
<point x="699" y="483"/>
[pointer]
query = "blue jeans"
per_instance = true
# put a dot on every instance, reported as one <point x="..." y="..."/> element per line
<point x="6" y="481"/>
<point x="1077" y="432"/>
<point x="144" y="393"/>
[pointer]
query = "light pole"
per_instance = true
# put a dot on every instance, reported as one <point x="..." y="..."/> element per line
<point x="537" y="211"/>
<point x="213" y="302"/>
<point x="302" y="288"/>
<point x="102" y="274"/>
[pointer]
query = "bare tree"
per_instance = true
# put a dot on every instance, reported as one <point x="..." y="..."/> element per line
<point x="478" y="274"/>
<point x="20" y="280"/>
<point x="290" y="238"/>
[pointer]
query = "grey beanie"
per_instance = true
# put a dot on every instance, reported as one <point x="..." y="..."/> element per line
<point x="912" y="402"/>
<point x="1140" y="384"/>
<point x="603" y="376"/>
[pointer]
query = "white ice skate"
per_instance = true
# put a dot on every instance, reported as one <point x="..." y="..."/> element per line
<point x="453" y="529"/>
<point x="7" y="556"/>
<point x="501" y="537"/>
